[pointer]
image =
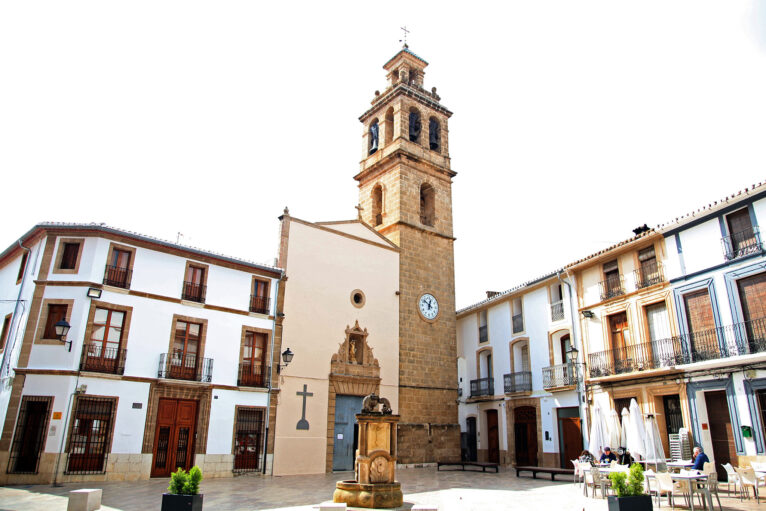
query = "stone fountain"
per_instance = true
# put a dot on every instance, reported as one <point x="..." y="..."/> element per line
<point x="375" y="485"/>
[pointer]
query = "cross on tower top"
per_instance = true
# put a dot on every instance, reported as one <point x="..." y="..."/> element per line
<point x="404" y="29"/>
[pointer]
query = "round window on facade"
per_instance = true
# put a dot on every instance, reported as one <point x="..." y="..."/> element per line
<point x="357" y="298"/>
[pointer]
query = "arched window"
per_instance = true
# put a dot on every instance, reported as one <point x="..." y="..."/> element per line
<point x="377" y="205"/>
<point x="434" y="134"/>
<point x="373" y="136"/>
<point x="415" y="125"/>
<point x="388" y="125"/>
<point x="427" y="204"/>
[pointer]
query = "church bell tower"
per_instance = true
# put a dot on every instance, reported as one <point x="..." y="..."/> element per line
<point x="405" y="190"/>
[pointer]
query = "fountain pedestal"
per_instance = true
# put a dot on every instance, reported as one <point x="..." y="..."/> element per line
<point x="375" y="467"/>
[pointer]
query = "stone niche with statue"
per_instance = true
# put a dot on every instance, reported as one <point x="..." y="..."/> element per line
<point x="375" y="485"/>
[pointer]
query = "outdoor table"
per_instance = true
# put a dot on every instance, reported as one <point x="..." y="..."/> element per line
<point x="678" y="465"/>
<point x="691" y="478"/>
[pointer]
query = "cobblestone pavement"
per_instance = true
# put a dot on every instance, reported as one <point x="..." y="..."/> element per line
<point x="447" y="490"/>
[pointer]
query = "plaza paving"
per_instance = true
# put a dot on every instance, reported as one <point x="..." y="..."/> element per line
<point x="447" y="490"/>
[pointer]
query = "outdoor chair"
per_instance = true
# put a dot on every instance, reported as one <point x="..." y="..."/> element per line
<point x="666" y="486"/>
<point x="577" y="474"/>
<point x="731" y="478"/>
<point x="587" y="476"/>
<point x="747" y="479"/>
<point x="600" y="481"/>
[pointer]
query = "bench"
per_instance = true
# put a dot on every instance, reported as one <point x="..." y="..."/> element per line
<point x="545" y="470"/>
<point x="464" y="464"/>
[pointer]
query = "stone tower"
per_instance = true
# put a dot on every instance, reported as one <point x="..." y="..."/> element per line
<point x="405" y="192"/>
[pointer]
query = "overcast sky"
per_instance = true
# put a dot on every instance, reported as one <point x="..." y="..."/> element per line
<point x="574" y="122"/>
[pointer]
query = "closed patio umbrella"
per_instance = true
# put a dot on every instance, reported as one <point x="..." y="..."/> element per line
<point x="636" y="432"/>
<point x="653" y="444"/>
<point x="597" y="434"/>
<point x="615" y="430"/>
<point x="625" y="423"/>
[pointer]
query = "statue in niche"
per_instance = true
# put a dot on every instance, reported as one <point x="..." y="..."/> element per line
<point x="355" y="351"/>
<point x="433" y="134"/>
<point x="415" y="126"/>
<point x="374" y="130"/>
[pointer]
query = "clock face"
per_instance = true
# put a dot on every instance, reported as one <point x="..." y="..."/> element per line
<point x="428" y="306"/>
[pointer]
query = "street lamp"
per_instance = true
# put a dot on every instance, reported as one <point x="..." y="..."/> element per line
<point x="62" y="328"/>
<point x="287" y="357"/>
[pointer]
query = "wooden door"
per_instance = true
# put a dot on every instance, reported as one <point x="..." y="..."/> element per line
<point x="741" y="233"/>
<point x="570" y="439"/>
<point x="32" y="438"/>
<point x="174" y="436"/>
<point x="752" y="296"/>
<point x="184" y="360"/>
<point x="724" y="450"/>
<point x="493" y="445"/>
<point x="703" y="339"/>
<point x="344" y="444"/>
<point x="618" y="335"/>
<point x="248" y="440"/>
<point x="525" y="435"/>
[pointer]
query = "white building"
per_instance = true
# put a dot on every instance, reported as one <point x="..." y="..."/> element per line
<point x="519" y="389"/>
<point x="717" y="272"/>
<point x="166" y="363"/>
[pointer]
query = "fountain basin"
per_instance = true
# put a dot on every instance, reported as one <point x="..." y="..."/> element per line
<point x="373" y="495"/>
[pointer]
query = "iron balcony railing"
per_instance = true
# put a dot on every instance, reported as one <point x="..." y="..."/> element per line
<point x="117" y="276"/>
<point x="251" y="375"/>
<point x="557" y="311"/>
<point x="98" y="359"/>
<point x="483" y="334"/>
<point x="561" y="375"/>
<point x="193" y="292"/>
<point x="517" y="382"/>
<point x="178" y="366"/>
<point x="259" y="304"/>
<point x="648" y="275"/>
<point x="611" y="287"/>
<point x="482" y="387"/>
<point x="518" y="323"/>
<point x="742" y="243"/>
<point x="728" y="341"/>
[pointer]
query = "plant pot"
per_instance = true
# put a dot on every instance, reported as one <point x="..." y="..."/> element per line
<point x="173" y="502"/>
<point x="639" y="503"/>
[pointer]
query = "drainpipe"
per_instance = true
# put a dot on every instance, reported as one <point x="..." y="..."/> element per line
<point x="581" y="391"/>
<point x="271" y="358"/>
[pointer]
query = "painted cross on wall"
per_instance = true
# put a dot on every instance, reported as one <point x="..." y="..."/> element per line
<point x="303" y="423"/>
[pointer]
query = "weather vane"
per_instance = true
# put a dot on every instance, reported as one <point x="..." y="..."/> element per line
<point x="404" y="29"/>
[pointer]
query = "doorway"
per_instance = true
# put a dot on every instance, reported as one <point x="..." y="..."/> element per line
<point x="570" y="435"/>
<point x="29" y="439"/>
<point x="174" y="437"/>
<point x="493" y="444"/>
<point x="721" y="434"/>
<point x="525" y="435"/>
<point x="346" y="431"/>
<point x="471" y="447"/>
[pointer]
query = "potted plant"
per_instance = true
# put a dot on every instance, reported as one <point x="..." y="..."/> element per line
<point x="183" y="492"/>
<point x="629" y="490"/>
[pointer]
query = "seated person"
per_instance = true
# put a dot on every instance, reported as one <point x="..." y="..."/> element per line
<point x="624" y="457"/>
<point x="586" y="456"/>
<point x="700" y="458"/>
<point x="608" y="456"/>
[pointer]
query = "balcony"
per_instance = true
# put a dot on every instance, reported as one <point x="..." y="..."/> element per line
<point x="612" y="287"/>
<point x="178" y="366"/>
<point x="193" y="292"/>
<point x="648" y="275"/>
<point x="557" y="311"/>
<point x="742" y="244"/>
<point x="518" y="382"/>
<point x="117" y="276"/>
<point x="482" y="387"/>
<point x="259" y="304"/>
<point x="98" y="359"/>
<point x="728" y="341"/>
<point x="561" y="375"/>
<point x="483" y="336"/>
<point x="251" y="375"/>
<point x="518" y="323"/>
